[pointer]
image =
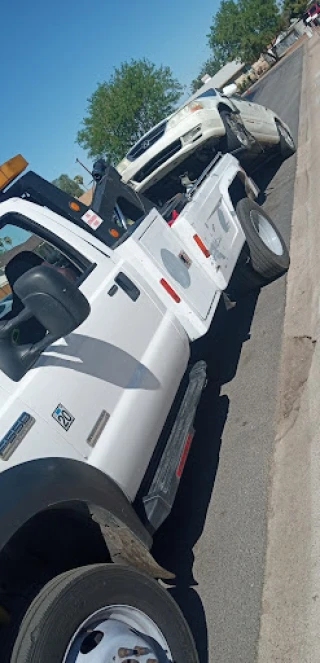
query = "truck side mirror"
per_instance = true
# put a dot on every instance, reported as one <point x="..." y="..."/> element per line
<point x="55" y="302"/>
<point x="52" y="299"/>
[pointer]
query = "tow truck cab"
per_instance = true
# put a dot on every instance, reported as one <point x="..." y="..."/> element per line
<point x="97" y="392"/>
<point x="94" y="353"/>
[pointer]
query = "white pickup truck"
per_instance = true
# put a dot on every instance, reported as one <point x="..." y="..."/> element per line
<point x="98" y="398"/>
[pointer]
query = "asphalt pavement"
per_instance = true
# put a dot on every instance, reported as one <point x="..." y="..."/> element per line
<point x="290" y="616"/>
<point x="215" y="538"/>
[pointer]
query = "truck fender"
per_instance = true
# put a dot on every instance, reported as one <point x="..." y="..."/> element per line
<point x="38" y="485"/>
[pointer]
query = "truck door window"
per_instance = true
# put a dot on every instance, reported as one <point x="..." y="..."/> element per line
<point x="20" y="250"/>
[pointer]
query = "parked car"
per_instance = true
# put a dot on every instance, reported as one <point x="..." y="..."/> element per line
<point x="312" y="15"/>
<point x="5" y="306"/>
<point x="184" y="142"/>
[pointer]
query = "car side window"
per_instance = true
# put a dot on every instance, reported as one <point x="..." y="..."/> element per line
<point x="22" y="249"/>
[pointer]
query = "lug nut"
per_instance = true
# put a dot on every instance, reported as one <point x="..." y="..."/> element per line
<point x="124" y="653"/>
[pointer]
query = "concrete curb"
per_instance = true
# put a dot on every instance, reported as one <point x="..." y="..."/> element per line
<point x="290" y="616"/>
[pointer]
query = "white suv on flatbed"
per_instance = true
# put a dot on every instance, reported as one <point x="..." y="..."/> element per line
<point x="185" y="142"/>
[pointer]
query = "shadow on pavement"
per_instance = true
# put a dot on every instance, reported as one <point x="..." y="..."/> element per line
<point x="264" y="175"/>
<point x="174" y="542"/>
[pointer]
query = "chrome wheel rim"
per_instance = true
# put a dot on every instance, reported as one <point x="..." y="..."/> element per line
<point x="118" y="634"/>
<point x="266" y="232"/>
<point x="238" y="130"/>
<point x="286" y="135"/>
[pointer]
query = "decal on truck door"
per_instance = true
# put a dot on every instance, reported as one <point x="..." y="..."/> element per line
<point x="92" y="219"/>
<point x="98" y="428"/>
<point x="63" y="417"/>
<point x="15" y="435"/>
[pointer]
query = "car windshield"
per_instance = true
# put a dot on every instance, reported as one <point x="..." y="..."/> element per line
<point x="208" y="93"/>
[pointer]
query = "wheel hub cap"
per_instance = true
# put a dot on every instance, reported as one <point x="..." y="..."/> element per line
<point x="118" y="634"/>
<point x="266" y="233"/>
<point x="288" y="138"/>
<point x="238" y="130"/>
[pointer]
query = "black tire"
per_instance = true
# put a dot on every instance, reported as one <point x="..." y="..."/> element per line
<point x="232" y="140"/>
<point x="287" y="145"/>
<point x="69" y="599"/>
<point x="259" y="265"/>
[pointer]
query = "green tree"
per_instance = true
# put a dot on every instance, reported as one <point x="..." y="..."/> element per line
<point x="79" y="180"/>
<point x="293" y="9"/>
<point x="137" y="96"/>
<point x="4" y="241"/>
<point x="209" y="67"/>
<point x="68" y="185"/>
<point x="243" y="29"/>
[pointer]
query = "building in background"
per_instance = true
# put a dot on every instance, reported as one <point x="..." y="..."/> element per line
<point x="226" y="75"/>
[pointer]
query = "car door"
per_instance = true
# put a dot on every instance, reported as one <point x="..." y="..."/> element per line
<point x="250" y="114"/>
<point x="107" y="388"/>
<point x="258" y="119"/>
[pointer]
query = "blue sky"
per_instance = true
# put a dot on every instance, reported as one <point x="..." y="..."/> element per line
<point x="55" y="53"/>
<point x="17" y="236"/>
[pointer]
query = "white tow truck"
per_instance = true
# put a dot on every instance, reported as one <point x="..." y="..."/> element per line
<point x="98" y="397"/>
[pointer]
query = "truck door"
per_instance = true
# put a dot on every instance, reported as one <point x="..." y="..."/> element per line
<point x="105" y="391"/>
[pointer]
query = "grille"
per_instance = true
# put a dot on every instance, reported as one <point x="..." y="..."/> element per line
<point x="157" y="161"/>
<point x="147" y="141"/>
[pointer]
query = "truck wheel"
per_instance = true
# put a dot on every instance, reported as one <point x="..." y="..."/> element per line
<point x="287" y="145"/>
<point x="103" y="613"/>
<point x="236" y="135"/>
<point x="265" y="257"/>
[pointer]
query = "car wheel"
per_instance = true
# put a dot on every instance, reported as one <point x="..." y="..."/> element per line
<point x="265" y="256"/>
<point x="236" y="135"/>
<point x="104" y="613"/>
<point x="287" y="144"/>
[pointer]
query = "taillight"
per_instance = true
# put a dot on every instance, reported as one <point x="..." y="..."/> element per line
<point x="170" y="291"/>
<point x="201" y="246"/>
<point x="174" y="217"/>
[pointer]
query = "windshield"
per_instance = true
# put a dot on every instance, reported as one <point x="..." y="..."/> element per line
<point x="208" y="93"/>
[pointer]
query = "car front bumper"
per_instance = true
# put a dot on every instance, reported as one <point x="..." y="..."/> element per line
<point x="173" y="148"/>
